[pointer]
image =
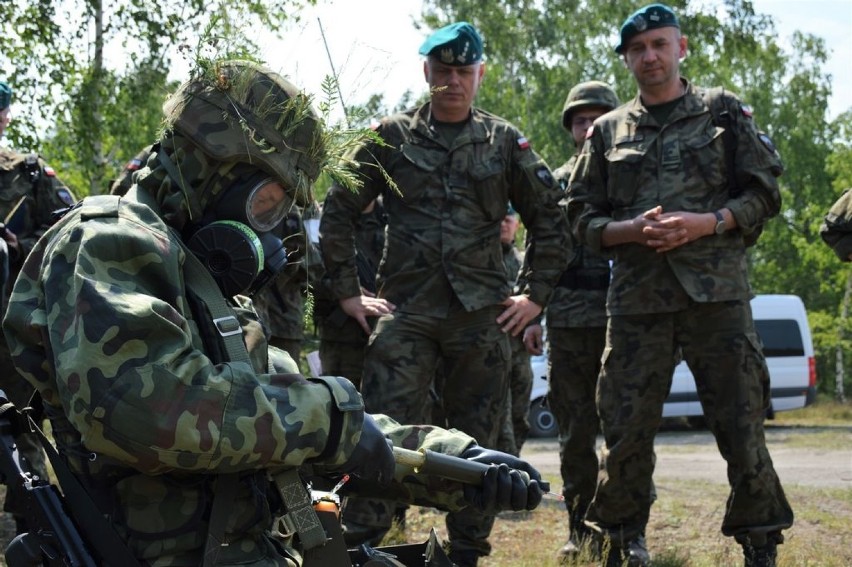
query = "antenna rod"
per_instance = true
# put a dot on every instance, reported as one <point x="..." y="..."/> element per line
<point x="333" y="72"/>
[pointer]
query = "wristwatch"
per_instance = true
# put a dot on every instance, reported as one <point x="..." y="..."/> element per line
<point x="721" y="225"/>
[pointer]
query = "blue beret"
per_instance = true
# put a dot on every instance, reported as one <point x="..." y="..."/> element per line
<point x="650" y="17"/>
<point x="457" y="44"/>
<point x="5" y="95"/>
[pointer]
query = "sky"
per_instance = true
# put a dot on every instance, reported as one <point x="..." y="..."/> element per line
<point x="373" y="45"/>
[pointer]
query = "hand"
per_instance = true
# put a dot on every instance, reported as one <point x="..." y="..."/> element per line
<point x="504" y="487"/>
<point x="372" y="458"/>
<point x="520" y="310"/>
<point x="533" y="339"/>
<point x="359" y="307"/>
<point x="672" y="230"/>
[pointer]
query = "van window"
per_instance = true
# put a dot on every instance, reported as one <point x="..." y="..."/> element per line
<point x="781" y="337"/>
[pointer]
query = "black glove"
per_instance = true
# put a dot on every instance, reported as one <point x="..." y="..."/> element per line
<point x="504" y="487"/>
<point x="372" y="458"/>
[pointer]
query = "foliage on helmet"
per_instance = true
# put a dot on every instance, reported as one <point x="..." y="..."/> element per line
<point x="588" y="94"/>
<point x="241" y="112"/>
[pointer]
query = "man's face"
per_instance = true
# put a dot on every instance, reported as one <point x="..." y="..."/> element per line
<point x="654" y="56"/>
<point x="453" y="87"/>
<point x="508" y="228"/>
<point x="5" y="118"/>
<point x="581" y="119"/>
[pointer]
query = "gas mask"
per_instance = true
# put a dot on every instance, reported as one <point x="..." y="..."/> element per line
<point x="236" y="242"/>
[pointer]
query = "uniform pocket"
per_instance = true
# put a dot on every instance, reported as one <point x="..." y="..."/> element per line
<point x="624" y="164"/>
<point x="490" y="191"/>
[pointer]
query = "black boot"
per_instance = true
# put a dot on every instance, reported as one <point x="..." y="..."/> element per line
<point x="464" y="558"/>
<point x="762" y="556"/>
<point x="580" y="537"/>
<point x="634" y="554"/>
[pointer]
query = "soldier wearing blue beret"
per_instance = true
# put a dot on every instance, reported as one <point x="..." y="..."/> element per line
<point x="674" y="185"/>
<point x="442" y="291"/>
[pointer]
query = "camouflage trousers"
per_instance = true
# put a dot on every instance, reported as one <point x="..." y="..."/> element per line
<point x="721" y="347"/>
<point x="574" y="360"/>
<point x="343" y="357"/>
<point x="514" y="432"/>
<point x="399" y="369"/>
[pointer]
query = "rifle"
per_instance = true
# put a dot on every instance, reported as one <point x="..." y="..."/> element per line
<point x="53" y="537"/>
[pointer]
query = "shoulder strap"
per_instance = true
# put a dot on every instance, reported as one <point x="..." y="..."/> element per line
<point x="99" y="533"/>
<point x="715" y="99"/>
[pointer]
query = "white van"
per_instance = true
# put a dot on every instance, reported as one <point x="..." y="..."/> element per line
<point x="782" y="324"/>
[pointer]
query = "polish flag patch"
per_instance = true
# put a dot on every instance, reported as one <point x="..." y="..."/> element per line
<point x="49" y="171"/>
<point x="523" y="143"/>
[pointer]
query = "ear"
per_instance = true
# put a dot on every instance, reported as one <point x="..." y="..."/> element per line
<point x="683" y="47"/>
<point x="481" y="70"/>
<point x="426" y="69"/>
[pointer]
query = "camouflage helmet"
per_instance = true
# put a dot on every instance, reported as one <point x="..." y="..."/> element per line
<point x="590" y="93"/>
<point x="242" y="112"/>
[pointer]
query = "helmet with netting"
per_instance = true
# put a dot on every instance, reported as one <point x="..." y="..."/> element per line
<point x="242" y="112"/>
<point x="590" y="93"/>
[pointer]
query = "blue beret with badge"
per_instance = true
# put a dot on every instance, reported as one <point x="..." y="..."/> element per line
<point x="457" y="44"/>
<point x="650" y="17"/>
<point x="5" y="95"/>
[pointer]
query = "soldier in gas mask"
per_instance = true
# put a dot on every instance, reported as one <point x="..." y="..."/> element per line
<point x="131" y="319"/>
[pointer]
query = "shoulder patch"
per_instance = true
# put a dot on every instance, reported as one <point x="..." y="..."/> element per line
<point x="544" y="175"/>
<point x="747" y="111"/>
<point x="65" y="196"/>
<point x="49" y="171"/>
<point x="766" y="141"/>
<point x="133" y="164"/>
<point x="523" y="143"/>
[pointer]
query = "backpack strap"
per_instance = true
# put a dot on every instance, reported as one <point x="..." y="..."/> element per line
<point x="715" y="99"/>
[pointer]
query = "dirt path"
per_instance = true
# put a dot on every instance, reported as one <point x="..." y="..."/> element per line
<point x="818" y="456"/>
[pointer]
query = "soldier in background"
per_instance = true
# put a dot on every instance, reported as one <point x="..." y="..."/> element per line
<point x="125" y="178"/>
<point x="836" y="229"/>
<point x="576" y="335"/>
<point x="442" y="287"/>
<point x="652" y="189"/>
<point x="341" y="339"/>
<point x="30" y="193"/>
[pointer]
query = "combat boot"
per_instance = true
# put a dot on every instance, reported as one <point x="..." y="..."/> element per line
<point x="634" y="554"/>
<point x="763" y="556"/>
<point x="580" y="538"/>
<point x="464" y="557"/>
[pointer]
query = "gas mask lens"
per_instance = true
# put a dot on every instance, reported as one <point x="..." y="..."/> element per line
<point x="266" y="205"/>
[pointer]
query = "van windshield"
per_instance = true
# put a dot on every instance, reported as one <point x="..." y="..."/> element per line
<point x="780" y="337"/>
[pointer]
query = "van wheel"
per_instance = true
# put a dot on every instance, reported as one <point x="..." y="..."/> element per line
<point x="542" y="420"/>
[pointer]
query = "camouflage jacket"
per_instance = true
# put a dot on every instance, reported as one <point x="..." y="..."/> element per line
<point x="27" y="177"/>
<point x="101" y="323"/>
<point x="579" y="299"/>
<point x="836" y="229"/>
<point x="631" y="164"/>
<point x="443" y="233"/>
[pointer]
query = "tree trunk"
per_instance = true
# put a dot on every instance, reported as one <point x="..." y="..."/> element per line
<point x="96" y="182"/>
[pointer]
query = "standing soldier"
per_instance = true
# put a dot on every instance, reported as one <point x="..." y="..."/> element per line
<point x="660" y="189"/>
<point x="30" y="193"/>
<point x="442" y="287"/>
<point x="576" y="334"/>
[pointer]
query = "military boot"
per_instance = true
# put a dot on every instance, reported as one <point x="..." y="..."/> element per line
<point x="634" y="554"/>
<point x="763" y="556"/>
<point x="464" y="557"/>
<point x="580" y="537"/>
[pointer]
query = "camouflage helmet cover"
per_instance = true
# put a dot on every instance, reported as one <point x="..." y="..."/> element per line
<point x="242" y="112"/>
<point x="590" y="93"/>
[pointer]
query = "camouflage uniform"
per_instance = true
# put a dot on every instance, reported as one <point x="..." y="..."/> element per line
<point x="281" y="304"/>
<point x="443" y="269"/>
<point x="520" y="373"/>
<point x="27" y="177"/>
<point x="836" y="229"/>
<point x="124" y="181"/>
<point x="576" y="333"/>
<point x="342" y="340"/>
<point x="104" y="324"/>
<point x="695" y="296"/>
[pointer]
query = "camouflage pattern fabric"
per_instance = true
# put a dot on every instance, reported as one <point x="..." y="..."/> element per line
<point x="444" y="221"/>
<point x="281" y="304"/>
<point x="154" y="419"/>
<point x="342" y="340"/>
<point x="443" y="269"/>
<point x="29" y="187"/>
<point x="631" y="164"/>
<point x="836" y="229"/>
<point x="124" y="181"/>
<point x="694" y="297"/>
